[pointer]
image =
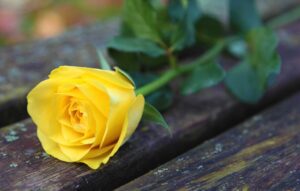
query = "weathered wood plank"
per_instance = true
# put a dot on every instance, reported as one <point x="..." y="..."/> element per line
<point x="193" y="119"/>
<point x="262" y="153"/>
<point x="24" y="65"/>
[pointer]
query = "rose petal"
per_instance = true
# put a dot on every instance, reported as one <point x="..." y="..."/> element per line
<point x="94" y="163"/>
<point x="114" y="124"/>
<point x="51" y="147"/>
<point x="69" y="134"/>
<point x="134" y="115"/>
<point x="108" y="77"/>
<point x="95" y="129"/>
<point x="75" y="153"/>
<point x="41" y="100"/>
<point x="99" y="125"/>
<point x="88" y="141"/>
<point x="131" y="122"/>
<point x="96" y="152"/>
<point x="120" y="102"/>
<point x="98" y="97"/>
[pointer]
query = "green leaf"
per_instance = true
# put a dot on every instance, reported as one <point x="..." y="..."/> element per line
<point x="126" y="75"/>
<point x="263" y="57"/>
<point x="185" y="14"/>
<point x="243" y="81"/>
<point x="204" y="76"/>
<point x="137" y="45"/>
<point x="243" y="15"/>
<point x="142" y="18"/>
<point x="132" y="62"/>
<point x="290" y="16"/>
<point x="103" y="62"/>
<point x="127" y="61"/>
<point x="249" y="80"/>
<point x="161" y="99"/>
<point x="177" y="10"/>
<point x="184" y="10"/>
<point x="262" y="43"/>
<point x="153" y="115"/>
<point x="209" y="29"/>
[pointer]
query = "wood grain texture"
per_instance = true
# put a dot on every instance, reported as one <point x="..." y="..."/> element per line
<point x="193" y="118"/>
<point x="23" y="66"/>
<point x="262" y="153"/>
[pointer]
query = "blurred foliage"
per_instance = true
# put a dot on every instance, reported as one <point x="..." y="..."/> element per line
<point x="32" y="19"/>
<point x="155" y="33"/>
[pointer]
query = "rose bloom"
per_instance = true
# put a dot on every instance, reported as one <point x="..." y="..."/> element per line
<point x="84" y="114"/>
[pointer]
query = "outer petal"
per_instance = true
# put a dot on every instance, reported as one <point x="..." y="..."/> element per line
<point x="75" y="153"/>
<point x="108" y="77"/>
<point x="120" y="101"/>
<point x="135" y="114"/>
<point x="95" y="163"/>
<point x="130" y="124"/>
<point x="113" y="127"/>
<point x="96" y="152"/>
<point x="51" y="147"/>
<point x="41" y="100"/>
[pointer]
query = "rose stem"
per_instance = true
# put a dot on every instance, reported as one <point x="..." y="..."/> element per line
<point x="180" y="70"/>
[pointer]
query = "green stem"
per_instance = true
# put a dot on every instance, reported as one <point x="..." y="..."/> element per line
<point x="172" y="60"/>
<point x="179" y="70"/>
<point x="156" y="84"/>
<point x="285" y="18"/>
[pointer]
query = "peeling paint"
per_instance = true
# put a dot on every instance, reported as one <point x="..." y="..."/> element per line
<point x="13" y="165"/>
<point x="3" y="154"/>
<point x="11" y="138"/>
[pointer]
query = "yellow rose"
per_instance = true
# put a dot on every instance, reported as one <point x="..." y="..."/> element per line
<point x="84" y="114"/>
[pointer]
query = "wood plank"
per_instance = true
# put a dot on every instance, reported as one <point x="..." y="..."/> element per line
<point x="193" y="118"/>
<point x="262" y="153"/>
<point x="22" y="66"/>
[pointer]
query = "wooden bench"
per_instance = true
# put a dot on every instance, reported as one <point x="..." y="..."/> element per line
<point x="263" y="153"/>
<point x="194" y="119"/>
